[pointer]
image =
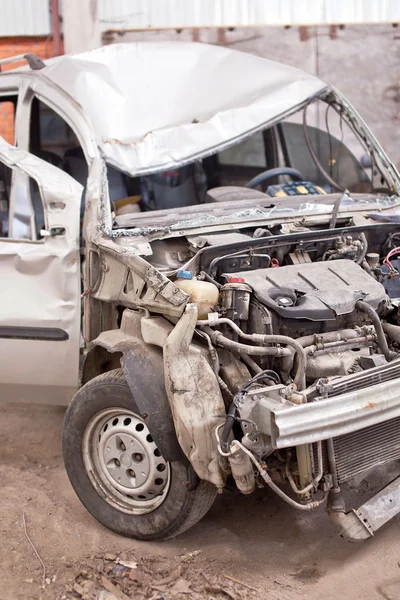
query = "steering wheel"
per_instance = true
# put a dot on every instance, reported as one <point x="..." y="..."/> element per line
<point x="265" y="175"/>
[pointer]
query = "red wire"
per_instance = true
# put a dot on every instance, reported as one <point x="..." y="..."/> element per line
<point x="390" y="254"/>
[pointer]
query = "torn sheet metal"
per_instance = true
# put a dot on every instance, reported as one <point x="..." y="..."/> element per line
<point x="154" y="106"/>
<point x="216" y="217"/>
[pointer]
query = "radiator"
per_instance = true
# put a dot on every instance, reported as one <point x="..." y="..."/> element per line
<point x="358" y="452"/>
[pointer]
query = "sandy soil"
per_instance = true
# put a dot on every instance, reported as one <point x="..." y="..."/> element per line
<point x="258" y="540"/>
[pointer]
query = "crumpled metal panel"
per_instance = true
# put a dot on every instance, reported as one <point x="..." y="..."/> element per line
<point x="156" y="105"/>
<point x="41" y="288"/>
<point x="195" y="398"/>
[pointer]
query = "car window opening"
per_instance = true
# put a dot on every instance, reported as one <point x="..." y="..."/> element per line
<point x="5" y="185"/>
<point x="323" y="150"/>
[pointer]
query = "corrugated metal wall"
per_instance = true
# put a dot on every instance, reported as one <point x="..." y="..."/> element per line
<point x="24" y="17"/>
<point x="32" y="17"/>
<point x="158" y="14"/>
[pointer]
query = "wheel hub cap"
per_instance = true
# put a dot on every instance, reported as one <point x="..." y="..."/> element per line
<point x="121" y="456"/>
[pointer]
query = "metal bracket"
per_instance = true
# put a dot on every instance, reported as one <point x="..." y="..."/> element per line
<point x="362" y="523"/>
<point x="33" y="61"/>
<point x="382" y="507"/>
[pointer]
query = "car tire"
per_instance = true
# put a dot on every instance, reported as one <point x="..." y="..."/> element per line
<point x="117" y="470"/>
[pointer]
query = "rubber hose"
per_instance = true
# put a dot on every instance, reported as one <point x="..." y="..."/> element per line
<point x="392" y="331"/>
<point x="230" y="421"/>
<point x="364" y="249"/>
<point x="309" y="340"/>
<point x="218" y="338"/>
<point x="300" y="377"/>
<point x="382" y="341"/>
<point x="250" y="363"/>
<point x="273" y="486"/>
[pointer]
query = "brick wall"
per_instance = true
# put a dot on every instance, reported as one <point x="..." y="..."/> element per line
<point x="11" y="46"/>
<point x="7" y="121"/>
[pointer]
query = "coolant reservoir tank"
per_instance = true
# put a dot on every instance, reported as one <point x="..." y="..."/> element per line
<point x="202" y="293"/>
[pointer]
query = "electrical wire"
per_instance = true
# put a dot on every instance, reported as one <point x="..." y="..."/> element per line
<point x="359" y="131"/>
<point x="266" y="374"/>
<point x="232" y="414"/>
<point x="392" y="253"/>
<point x="341" y="144"/>
<point x="330" y="141"/>
<point x="392" y="237"/>
<point x="314" y="155"/>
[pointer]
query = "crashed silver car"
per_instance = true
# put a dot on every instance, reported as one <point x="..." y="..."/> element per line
<point x="199" y="253"/>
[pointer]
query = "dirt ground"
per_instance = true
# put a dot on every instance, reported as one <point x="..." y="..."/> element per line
<point x="275" y="551"/>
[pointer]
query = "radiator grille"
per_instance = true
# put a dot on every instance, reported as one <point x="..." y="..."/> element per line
<point x="359" y="381"/>
<point x="359" y="451"/>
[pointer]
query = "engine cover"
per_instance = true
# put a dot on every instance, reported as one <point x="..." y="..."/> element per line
<point x="316" y="291"/>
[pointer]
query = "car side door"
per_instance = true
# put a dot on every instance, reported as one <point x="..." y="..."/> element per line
<point x="40" y="307"/>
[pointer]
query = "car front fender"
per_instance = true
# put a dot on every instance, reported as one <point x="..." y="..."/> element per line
<point x="144" y="372"/>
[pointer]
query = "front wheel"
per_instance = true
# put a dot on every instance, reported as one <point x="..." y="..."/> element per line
<point x="118" y="472"/>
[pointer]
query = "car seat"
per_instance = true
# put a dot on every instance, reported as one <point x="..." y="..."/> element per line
<point x="174" y="189"/>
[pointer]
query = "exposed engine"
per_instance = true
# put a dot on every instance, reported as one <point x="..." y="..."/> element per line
<point x="321" y="305"/>
<point x="295" y="322"/>
<point x="291" y="339"/>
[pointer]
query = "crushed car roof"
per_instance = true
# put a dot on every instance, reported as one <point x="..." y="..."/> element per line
<point x="157" y="105"/>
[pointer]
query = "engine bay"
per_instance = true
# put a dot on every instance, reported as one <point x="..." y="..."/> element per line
<point x="279" y="327"/>
<point x="334" y="291"/>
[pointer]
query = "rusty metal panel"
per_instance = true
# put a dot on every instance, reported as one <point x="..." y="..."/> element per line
<point x="19" y="17"/>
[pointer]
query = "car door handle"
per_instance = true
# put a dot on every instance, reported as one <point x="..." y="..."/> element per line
<point x="52" y="232"/>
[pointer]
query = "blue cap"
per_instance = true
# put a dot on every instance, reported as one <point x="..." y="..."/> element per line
<point x="184" y="274"/>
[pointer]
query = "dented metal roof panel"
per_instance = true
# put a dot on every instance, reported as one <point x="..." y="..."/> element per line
<point x="156" y="105"/>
